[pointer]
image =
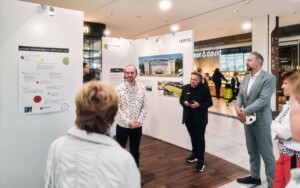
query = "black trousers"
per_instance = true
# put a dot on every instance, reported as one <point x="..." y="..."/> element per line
<point x="134" y="136"/>
<point x="196" y="130"/>
<point x="235" y="92"/>
<point x="218" y="87"/>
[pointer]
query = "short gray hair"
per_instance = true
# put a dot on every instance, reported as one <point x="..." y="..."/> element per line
<point x="258" y="57"/>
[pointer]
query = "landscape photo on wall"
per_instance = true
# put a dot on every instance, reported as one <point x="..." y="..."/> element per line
<point x="170" y="65"/>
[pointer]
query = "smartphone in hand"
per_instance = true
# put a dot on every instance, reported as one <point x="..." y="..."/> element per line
<point x="191" y="101"/>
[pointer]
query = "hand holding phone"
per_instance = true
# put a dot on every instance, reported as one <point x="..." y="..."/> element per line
<point x="191" y="101"/>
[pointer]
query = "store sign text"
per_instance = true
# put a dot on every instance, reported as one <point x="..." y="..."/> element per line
<point x="185" y="40"/>
<point x="208" y="53"/>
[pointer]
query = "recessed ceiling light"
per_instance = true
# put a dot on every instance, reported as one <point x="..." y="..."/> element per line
<point x="246" y="26"/>
<point x="106" y="32"/>
<point x="165" y="5"/>
<point x="235" y="11"/>
<point x="174" y="28"/>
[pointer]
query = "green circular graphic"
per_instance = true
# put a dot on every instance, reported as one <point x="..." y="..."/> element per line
<point x="66" y="60"/>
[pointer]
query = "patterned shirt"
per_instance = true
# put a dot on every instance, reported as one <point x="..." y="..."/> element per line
<point x="133" y="104"/>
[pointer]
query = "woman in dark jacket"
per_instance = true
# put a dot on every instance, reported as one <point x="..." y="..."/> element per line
<point x="217" y="79"/>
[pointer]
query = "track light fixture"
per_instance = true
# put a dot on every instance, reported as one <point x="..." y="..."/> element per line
<point x="51" y="11"/>
<point x="45" y="5"/>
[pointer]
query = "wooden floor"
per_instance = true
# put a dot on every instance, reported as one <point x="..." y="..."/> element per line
<point x="163" y="165"/>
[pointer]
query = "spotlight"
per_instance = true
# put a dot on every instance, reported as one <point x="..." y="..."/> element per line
<point x="146" y="37"/>
<point x="44" y="5"/>
<point x="165" y="5"/>
<point x="106" y="32"/>
<point x="51" y="12"/>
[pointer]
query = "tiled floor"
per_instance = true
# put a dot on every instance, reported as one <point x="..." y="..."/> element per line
<point x="225" y="138"/>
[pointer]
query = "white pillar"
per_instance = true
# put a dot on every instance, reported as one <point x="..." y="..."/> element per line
<point x="262" y="28"/>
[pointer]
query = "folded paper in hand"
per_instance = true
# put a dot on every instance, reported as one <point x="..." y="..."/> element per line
<point x="250" y="118"/>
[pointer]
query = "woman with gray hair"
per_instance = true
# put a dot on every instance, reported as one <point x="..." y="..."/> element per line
<point x="87" y="156"/>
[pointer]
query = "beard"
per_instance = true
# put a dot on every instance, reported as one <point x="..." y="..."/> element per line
<point x="249" y="68"/>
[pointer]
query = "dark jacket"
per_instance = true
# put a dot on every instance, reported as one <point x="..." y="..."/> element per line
<point x="202" y="96"/>
<point x="233" y="83"/>
<point x="217" y="78"/>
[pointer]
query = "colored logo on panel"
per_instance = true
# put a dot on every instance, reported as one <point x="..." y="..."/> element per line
<point x="105" y="46"/>
<point x="66" y="61"/>
<point x="37" y="99"/>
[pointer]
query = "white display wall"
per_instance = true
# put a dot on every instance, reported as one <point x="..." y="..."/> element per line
<point x="25" y="139"/>
<point x="165" y="113"/>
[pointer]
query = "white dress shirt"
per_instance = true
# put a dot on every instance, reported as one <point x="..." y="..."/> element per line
<point x="252" y="80"/>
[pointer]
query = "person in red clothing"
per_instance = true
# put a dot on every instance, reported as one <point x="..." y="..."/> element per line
<point x="288" y="148"/>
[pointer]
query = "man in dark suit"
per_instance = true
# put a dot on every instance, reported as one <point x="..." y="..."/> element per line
<point x="255" y="97"/>
<point x="235" y="85"/>
<point x="196" y="99"/>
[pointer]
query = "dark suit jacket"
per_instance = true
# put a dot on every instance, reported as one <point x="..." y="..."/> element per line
<point x="233" y="83"/>
<point x="202" y="96"/>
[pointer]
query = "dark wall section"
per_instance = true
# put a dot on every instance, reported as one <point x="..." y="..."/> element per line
<point x="94" y="30"/>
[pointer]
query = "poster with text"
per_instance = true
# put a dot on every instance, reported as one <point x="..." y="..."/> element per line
<point x="43" y="79"/>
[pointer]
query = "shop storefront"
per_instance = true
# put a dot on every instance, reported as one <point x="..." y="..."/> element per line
<point x="288" y="60"/>
<point x="228" y="60"/>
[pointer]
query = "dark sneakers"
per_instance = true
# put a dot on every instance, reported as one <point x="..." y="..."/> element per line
<point x="249" y="180"/>
<point x="200" y="167"/>
<point x="227" y="103"/>
<point x="191" y="159"/>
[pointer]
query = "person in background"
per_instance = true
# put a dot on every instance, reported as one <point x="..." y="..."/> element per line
<point x="294" y="84"/>
<point x="132" y="111"/>
<point x="288" y="148"/>
<point x="217" y="79"/>
<point x="203" y="79"/>
<point x="207" y="77"/>
<point x="86" y="72"/>
<point x="87" y="156"/>
<point x="196" y="99"/>
<point x="255" y="98"/>
<point x="235" y="85"/>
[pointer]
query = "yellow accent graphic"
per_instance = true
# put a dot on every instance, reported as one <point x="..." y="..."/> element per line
<point x="105" y="46"/>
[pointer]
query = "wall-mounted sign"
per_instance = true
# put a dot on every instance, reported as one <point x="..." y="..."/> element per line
<point x="208" y="53"/>
<point x="43" y="79"/>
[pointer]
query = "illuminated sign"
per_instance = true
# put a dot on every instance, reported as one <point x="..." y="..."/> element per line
<point x="208" y="53"/>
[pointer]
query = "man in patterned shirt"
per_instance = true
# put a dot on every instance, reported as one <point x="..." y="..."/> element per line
<point x="132" y="111"/>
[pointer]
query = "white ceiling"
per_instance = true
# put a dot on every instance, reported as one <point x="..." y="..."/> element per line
<point x="209" y="19"/>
